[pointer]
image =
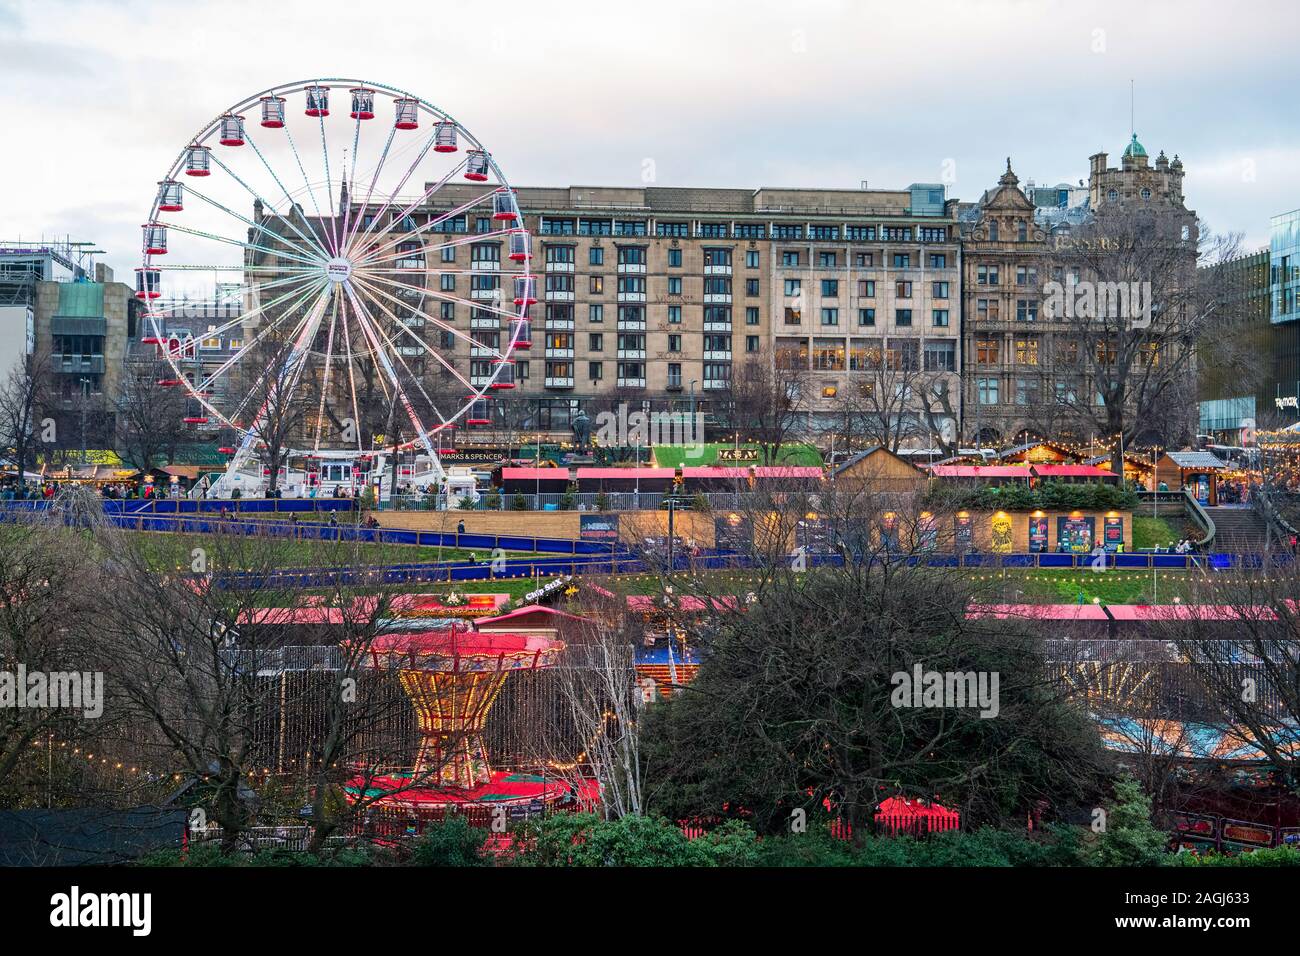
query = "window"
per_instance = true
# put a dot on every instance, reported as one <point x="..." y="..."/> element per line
<point x="674" y="230"/>
<point x="1146" y="193"/>
<point x="1026" y="391"/>
<point x="674" y="343"/>
<point x="793" y="316"/>
<point x="986" y="310"/>
<point x="866" y="317"/>
<point x="595" y="371"/>
<point x="751" y="259"/>
<point x="1026" y="351"/>
<point x="595" y="342"/>
<point x="903" y="355"/>
<point x="1026" y="276"/>
<point x="939" y="318"/>
<point x="674" y="315"/>
<point x="521" y="371"/>
<point x="1022" y="231"/>
<point x="941" y="355"/>
<point x="751" y="343"/>
<point x="631" y="284"/>
<point x="938" y="260"/>
<point x="750" y="230"/>
<point x="483" y="224"/>
<point x="986" y="275"/>
<point x="717" y="343"/>
<point x="1026" y="310"/>
<point x="1067" y="353"/>
<point x="751" y="315"/>
<point x="986" y="351"/>
<point x="596" y="285"/>
<point x="830" y="316"/>
<point x="1106" y="354"/>
<point x="631" y="255"/>
<point x="674" y="285"/>
<point x="595" y="313"/>
<point x="793" y="286"/>
<point x="830" y="233"/>
<point x="861" y="234"/>
<point x="447" y="282"/>
<point x="449" y="311"/>
<point x="1065" y="393"/>
<point x="902" y="317"/>
<point x="674" y="375"/>
<point x="787" y="231"/>
<point x="864" y="354"/>
<point x="827" y="260"/>
<point x="712" y="230"/>
<point x="596" y="256"/>
<point x="675" y="258"/>
<point x="993" y="230"/>
<point x="867" y="288"/>
<point x="903" y="290"/>
<point x="863" y="260"/>
<point x="789" y="258"/>
<point x="446" y="340"/>
<point x="751" y="287"/>
<point x="449" y="254"/>
<point x="1112" y="195"/>
<point x="987" y="389"/>
<point x="902" y="260"/>
<point x="897" y="234"/>
<point x="211" y="343"/>
<point x="831" y="288"/>
<point x="939" y="290"/>
<point x="828" y="355"/>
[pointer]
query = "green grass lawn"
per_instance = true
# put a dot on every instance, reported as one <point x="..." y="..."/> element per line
<point x="168" y="550"/>
<point x="1149" y="532"/>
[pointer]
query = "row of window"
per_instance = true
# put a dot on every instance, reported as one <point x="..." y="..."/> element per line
<point x="861" y="355"/>
<point x="581" y="226"/>
<point x="903" y="318"/>
<point x="631" y="374"/>
<point x="830" y="288"/>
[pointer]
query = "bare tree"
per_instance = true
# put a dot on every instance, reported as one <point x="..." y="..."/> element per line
<point x="1129" y="280"/>
<point x="24" y="395"/>
<point x="767" y="405"/>
<point x="149" y="417"/>
<point x="894" y="401"/>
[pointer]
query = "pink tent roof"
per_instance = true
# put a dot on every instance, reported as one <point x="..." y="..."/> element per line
<point x="765" y="471"/>
<point x="980" y="471"/>
<point x="1041" y="612"/>
<point x="1188" y="612"/>
<point x="1072" y="471"/>
<point x="628" y="473"/>
<point x="535" y="474"/>
<point x="518" y="615"/>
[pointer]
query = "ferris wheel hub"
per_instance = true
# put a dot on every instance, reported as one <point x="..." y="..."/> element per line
<point x="338" y="269"/>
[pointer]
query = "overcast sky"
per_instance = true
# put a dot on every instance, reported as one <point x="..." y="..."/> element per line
<point x="98" y="98"/>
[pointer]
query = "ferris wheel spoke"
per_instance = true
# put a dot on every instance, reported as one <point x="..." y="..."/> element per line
<point x="316" y="239"/>
<point x="320" y="250"/>
<point x="236" y="242"/>
<point x="397" y="352"/>
<point x="438" y="220"/>
<point x="311" y="192"/>
<point x="434" y="352"/>
<point x="255" y="225"/>
<point x="382" y="357"/>
<point x="329" y="183"/>
<point x="302" y="296"/>
<point x="392" y="193"/>
<point x="325" y="375"/>
<point x="439" y="295"/>
<point x="440" y="323"/>
<point x="288" y="374"/>
<point x="352" y="377"/>
<point x="370" y="191"/>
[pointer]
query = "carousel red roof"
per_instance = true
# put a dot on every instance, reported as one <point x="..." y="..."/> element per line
<point x="445" y="649"/>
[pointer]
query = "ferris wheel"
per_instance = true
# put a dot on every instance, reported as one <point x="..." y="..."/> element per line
<point x="338" y="214"/>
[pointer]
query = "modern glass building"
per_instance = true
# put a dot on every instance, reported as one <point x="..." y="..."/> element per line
<point x="1284" y="266"/>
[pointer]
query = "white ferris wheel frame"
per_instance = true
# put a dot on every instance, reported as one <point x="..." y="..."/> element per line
<point x="333" y="251"/>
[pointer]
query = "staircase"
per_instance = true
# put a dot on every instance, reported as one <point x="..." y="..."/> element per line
<point x="1238" y="530"/>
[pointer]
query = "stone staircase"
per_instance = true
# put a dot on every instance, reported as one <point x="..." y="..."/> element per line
<point x="1238" y="530"/>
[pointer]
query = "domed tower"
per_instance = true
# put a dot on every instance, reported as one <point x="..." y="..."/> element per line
<point x="1136" y="182"/>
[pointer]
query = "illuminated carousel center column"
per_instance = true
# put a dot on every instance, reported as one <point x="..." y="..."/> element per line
<point x="452" y="676"/>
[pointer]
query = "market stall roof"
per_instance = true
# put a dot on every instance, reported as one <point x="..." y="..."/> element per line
<point x="760" y="471"/>
<point x="535" y="474"/>
<point x="625" y="473"/>
<point x="1071" y="471"/>
<point x="1196" y="460"/>
<point x="688" y="602"/>
<point x="1040" y="612"/>
<point x="980" y="471"/>
<point x="1189" y="612"/>
<point x="521" y="617"/>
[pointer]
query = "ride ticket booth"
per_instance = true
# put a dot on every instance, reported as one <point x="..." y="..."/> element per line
<point x="1196" y="471"/>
